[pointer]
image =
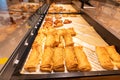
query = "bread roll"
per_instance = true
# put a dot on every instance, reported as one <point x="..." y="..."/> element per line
<point x="70" y="59"/>
<point x="104" y="58"/>
<point x="58" y="59"/>
<point x="83" y="63"/>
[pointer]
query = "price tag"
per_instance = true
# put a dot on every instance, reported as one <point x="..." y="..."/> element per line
<point x="3" y="60"/>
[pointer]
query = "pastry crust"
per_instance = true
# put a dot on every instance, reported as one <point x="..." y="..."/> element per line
<point x="83" y="63"/>
<point x="46" y="63"/>
<point x="104" y="58"/>
<point x="58" y="59"/>
<point x="70" y="59"/>
<point x="71" y="31"/>
<point x="67" y="21"/>
<point x="68" y="40"/>
<point x="114" y="55"/>
<point x="50" y="40"/>
<point x="33" y="60"/>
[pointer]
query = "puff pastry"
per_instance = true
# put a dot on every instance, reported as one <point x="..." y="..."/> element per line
<point x="114" y="55"/>
<point x="33" y="60"/>
<point x="83" y="63"/>
<point x="70" y="59"/>
<point x="46" y="63"/>
<point x="68" y="40"/>
<point x="50" y="40"/>
<point x="71" y="31"/>
<point x="58" y="59"/>
<point x="104" y="58"/>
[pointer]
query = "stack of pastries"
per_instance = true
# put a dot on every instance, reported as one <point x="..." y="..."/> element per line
<point x="53" y="50"/>
<point x="55" y="21"/>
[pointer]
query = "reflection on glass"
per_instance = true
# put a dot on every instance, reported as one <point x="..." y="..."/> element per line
<point x="3" y="5"/>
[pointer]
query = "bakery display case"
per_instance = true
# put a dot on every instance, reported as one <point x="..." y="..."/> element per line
<point x="62" y="41"/>
<point x="16" y="27"/>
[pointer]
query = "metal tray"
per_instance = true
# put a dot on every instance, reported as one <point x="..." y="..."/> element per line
<point x="107" y="36"/>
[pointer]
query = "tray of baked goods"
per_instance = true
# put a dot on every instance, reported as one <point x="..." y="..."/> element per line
<point x="62" y="8"/>
<point x="25" y="7"/>
<point x="68" y="44"/>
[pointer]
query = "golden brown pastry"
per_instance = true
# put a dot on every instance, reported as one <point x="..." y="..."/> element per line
<point x="40" y="38"/>
<point x="104" y="58"/>
<point x="71" y="31"/>
<point x="68" y="40"/>
<point x="58" y="16"/>
<point x="33" y="60"/>
<point x="61" y="32"/>
<point x="70" y="59"/>
<point x="114" y="55"/>
<point x="67" y="21"/>
<point x="58" y="59"/>
<point x="47" y="62"/>
<point x="48" y="24"/>
<point x="57" y="39"/>
<point x="58" y="23"/>
<point x="83" y="63"/>
<point x="49" y="19"/>
<point x="62" y="42"/>
<point x="50" y="40"/>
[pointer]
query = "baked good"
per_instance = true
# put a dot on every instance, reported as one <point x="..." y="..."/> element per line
<point x="33" y="60"/>
<point x="58" y="16"/>
<point x="58" y="59"/>
<point x="70" y="59"/>
<point x="114" y="55"/>
<point x="58" y="25"/>
<point x="62" y="42"/>
<point x="68" y="40"/>
<point x="49" y="19"/>
<point x="47" y="62"/>
<point x="71" y="31"/>
<point x="67" y="21"/>
<point x="104" y="58"/>
<point x="50" y="40"/>
<point x="83" y="63"/>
